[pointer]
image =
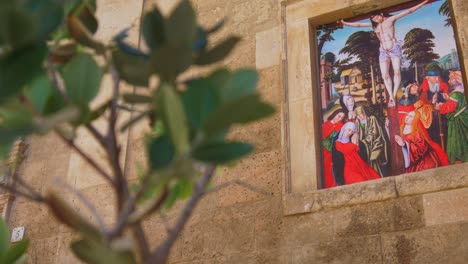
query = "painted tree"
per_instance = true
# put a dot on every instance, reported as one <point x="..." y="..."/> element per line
<point x="445" y="11"/>
<point x="364" y="45"/>
<point x="418" y="48"/>
<point x="330" y="57"/>
<point x="324" y="34"/>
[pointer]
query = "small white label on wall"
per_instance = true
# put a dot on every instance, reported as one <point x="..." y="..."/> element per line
<point x="17" y="234"/>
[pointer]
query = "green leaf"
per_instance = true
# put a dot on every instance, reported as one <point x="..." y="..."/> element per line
<point x="82" y="78"/>
<point x="82" y="35"/>
<point x="70" y="217"/>
<point x="240" y="83"/>
<point x="17" y="29"/>
<point x="240" y="111"/>
<point x="94" y="252"/>
<point x="133" y="98"/>
<point x="153" y="30"/>
<point x="161" y="152"/>
<point x="47" y="14"/>
<point x="217" y="53"/>
<point x="4" y="237"/>
<point x="181" y="190"/>
<point x="39" y="91"/>
<point x="200" y="99"/>
<point x="132" y="69"/>
<point x="15" y="253"/>
<point x="170" y="61"/>
<point x="19" y="68"/>
<point x="173" y="116"/>
<point x="181" y="25"/>
<point x="221" y="152"/>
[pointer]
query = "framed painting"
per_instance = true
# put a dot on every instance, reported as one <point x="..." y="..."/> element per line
<point x="391" y="93"/>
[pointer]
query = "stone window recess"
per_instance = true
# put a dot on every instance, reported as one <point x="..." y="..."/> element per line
<point x="301" y="123"/>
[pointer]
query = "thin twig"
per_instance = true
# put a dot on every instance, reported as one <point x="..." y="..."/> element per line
<point x="55" y="80"/>
<point x="87" y="204"/>
<point x="140" y="236"/>
<point x="113" y="148"/>
<point x="88" y="159"/>
<point x="15" y="191"/>
<point x="161" y="254"/>
<point x="241" y="183"/>
<point x="98" y="136"/>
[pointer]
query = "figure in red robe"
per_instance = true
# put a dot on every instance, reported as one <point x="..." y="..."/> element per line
<point x="330" y="129"/>
<point x="419" y="151"/>
<point x="354" y="168"/>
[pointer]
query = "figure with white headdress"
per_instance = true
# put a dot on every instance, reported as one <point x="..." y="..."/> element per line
<point x="457" y="116"/>
<point x="349" y="165"/>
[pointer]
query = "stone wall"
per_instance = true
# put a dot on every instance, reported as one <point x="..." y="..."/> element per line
<point x="414" y="219"/>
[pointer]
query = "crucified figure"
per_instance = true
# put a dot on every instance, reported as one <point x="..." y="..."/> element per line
<point x="383" y="25"/>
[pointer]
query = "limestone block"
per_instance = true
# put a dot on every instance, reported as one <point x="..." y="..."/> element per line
<point x="264" y="134"/>
<point x="268" y="49"/>
<point x="450" y="177"/>
<point x="38" y="221"/>
<point x="43" y="251"/>
<point x="157" y="231"/>
<point x="245" y="22"/>
<point x="262" y="171"/>
<point x="64" y="254"/>
<point x="356" y="250"/>
<point x="243" y="55"/>
<point x="102" y="197"/>
<point x="437" y="244"/>
<point x="298" y="56"/>
<point x="446" y="207"/>
<point x="42" y="165"/>
<point x="375" y="218"/>
<point x="270" y="86"/>
<point x="269" y="225"/>
<point x="224" y="231"/>
<point x="310" y="8"/>
<point x="128" y="14"/>
<point x="302" y="146"/>
<point x="308" y="228"/>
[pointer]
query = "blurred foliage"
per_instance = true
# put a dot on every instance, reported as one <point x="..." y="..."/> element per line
<point x="14" y="254"/>
<point x="51" y="69"/>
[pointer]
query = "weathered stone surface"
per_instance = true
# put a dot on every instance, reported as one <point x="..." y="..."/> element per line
<point x="264" y="134"/>
<point x="36" y="170"/>
<point x="64" y="254"/>
<point x="268" y="50"/>
<point x="450" y="177"/>
<point x="261" y="171"/>
<point x="43" y="250"/>
<point x="376" y="218"/>
<point x="446" y="207"/>
<point x="269" y="86"/>
<point x="36" y="219"/>
<point x="356" y="250"/>
<point x="224" y="231"/>
<point x="438" y="244"/>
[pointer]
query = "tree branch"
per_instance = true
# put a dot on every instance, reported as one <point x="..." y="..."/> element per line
<point x="161" y="254"/>
<point x="87" y="204"/>
<point x="15" y="191"/>
<point x="72" y="145"/>
<point x="113" y="148"/>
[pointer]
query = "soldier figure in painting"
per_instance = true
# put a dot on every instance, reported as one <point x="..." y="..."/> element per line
<point x="457" y="116"/>
<point x="383" y="25"/>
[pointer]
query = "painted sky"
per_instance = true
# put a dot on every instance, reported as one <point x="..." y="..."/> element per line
<point x="427" y="17"/>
